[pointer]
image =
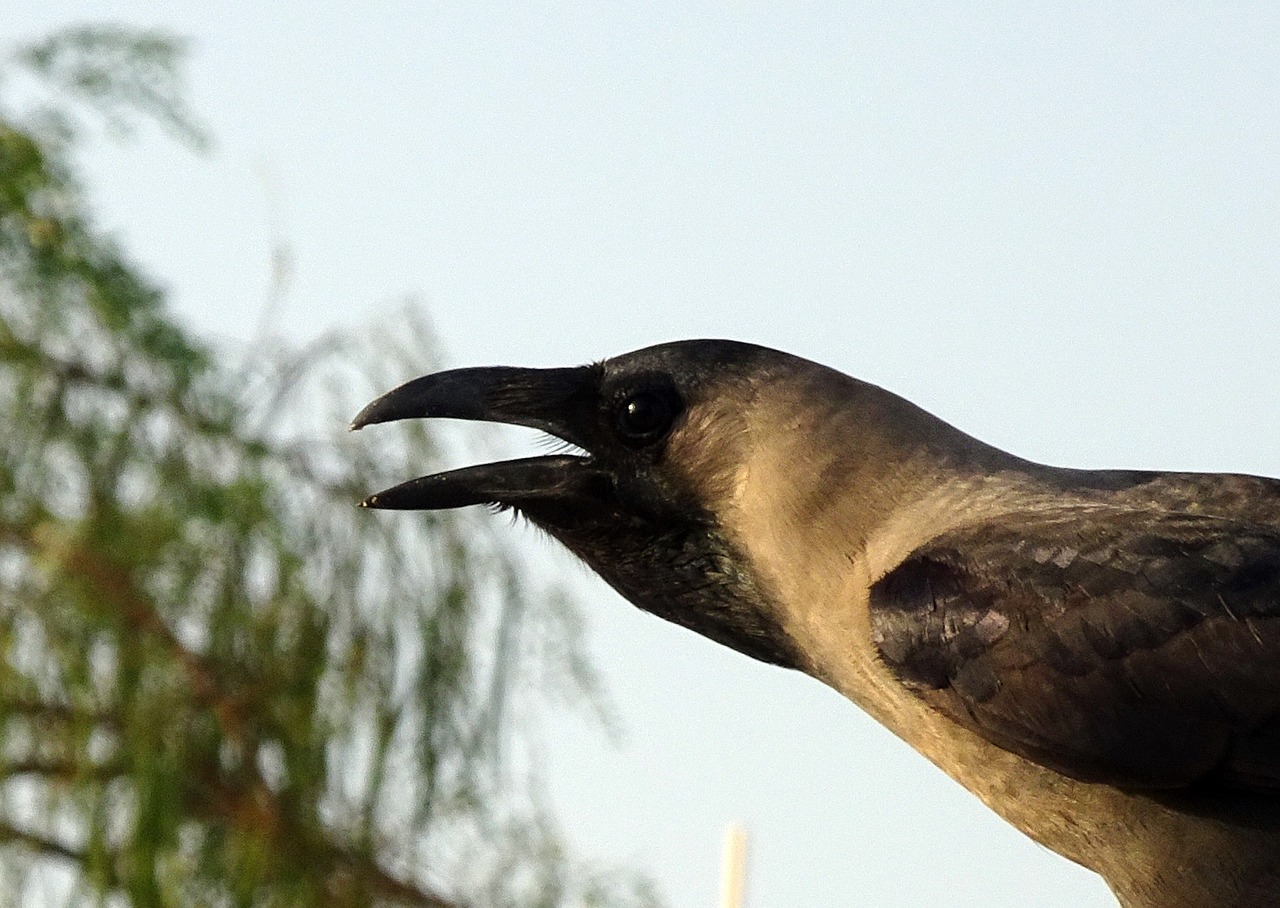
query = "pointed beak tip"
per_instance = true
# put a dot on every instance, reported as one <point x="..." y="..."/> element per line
<point x="364" y="418"/>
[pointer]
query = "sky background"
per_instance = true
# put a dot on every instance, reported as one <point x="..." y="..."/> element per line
<point x="1054" y="225"/>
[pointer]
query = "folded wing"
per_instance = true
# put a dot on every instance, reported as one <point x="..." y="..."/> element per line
<point x="1139" y="648"/>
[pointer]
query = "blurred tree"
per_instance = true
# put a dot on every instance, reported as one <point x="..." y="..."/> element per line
<point x="220" y="682"/>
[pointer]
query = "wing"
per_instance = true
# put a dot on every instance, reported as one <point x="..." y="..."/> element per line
<point x="1133" y="647"/>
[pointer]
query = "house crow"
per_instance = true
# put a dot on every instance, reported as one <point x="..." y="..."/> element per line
<point x="1094" y="654"/>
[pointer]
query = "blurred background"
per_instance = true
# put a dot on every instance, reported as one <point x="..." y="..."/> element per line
<point x="1055" y="227"/>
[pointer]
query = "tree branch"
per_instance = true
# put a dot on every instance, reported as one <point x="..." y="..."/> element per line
<point x="39" y="844"/>
<point x="48" y="711"/>
<point x="52" y="848"/>
<point x="70" y="770"/>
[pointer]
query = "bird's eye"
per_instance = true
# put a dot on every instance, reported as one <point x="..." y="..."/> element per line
<point x="646" y="416"/>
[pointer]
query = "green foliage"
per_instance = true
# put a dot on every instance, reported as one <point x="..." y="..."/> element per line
<point x="220" y="682"/>
<point x="119" y="73"/>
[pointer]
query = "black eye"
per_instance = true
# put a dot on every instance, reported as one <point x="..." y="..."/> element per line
<point x="646" y="415"/>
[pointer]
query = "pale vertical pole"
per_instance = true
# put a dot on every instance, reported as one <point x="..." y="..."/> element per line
<point x="733" y="867"/>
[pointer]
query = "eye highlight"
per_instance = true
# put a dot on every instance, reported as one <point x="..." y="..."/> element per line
<point x="645" y="416"/>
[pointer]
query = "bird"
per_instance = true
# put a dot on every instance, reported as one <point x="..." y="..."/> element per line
<point x="1095" y="654"/>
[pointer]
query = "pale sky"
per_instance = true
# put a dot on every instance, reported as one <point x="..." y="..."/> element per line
<point x="1055" y="225"/>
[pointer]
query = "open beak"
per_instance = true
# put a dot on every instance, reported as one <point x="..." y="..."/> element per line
<point x="558" y="401"/>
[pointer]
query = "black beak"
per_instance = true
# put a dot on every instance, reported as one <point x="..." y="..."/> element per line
<point x="561" y="402"/>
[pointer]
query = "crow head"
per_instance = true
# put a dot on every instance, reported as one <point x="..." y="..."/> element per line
<point x="664" y="434"/>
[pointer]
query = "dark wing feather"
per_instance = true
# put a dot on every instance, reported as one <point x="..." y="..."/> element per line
<point x="1134" y="647"/>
